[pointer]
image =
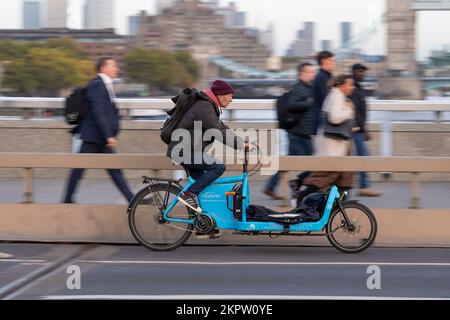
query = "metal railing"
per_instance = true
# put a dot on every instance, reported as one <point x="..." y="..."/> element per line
<point x="30" y="161"/>
<point x="30" y="106"/>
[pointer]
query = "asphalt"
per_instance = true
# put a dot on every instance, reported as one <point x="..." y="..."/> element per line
<point x="40" y="271"/>
<point x="200" y="272"/>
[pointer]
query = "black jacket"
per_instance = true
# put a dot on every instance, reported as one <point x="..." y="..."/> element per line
<point x="321" y="89"/>
<point x="205" y="112"/>
<point x="359" y="100"/>
<point x="102" y="118"/>
<point x="300" y="103"/>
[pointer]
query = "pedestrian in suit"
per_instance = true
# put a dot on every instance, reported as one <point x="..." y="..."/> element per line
<point x="100" y="127"/>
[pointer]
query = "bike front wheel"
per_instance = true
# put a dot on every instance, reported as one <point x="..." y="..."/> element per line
<point x="356" y="236"/>
<point x="146" y="222"/>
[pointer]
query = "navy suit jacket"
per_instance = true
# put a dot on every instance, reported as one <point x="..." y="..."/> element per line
<point x="321" y="89"/>
<point x="102" y="118"/>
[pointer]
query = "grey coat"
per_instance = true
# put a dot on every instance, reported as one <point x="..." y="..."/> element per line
<point x="206" y="115"/>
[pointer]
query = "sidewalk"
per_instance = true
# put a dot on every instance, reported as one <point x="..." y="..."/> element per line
<point x="93" y="191"/>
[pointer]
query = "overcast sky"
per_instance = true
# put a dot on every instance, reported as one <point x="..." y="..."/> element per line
<point x="287" y="16"/>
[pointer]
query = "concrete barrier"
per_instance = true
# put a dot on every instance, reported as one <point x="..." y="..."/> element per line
<point x="50" y="136"/>
<point x="109" y="224"/>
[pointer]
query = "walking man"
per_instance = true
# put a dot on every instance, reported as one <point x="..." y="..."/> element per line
<point x="100" y="127"/>
<point x="361" y="136"/>
<point x="300" y="104"/>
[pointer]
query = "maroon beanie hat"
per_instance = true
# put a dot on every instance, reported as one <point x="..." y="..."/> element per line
<point x="221" y="88"/>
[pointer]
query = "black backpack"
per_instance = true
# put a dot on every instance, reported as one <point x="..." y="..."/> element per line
<point x="76" y="106"/>
<point x="286" y="119"/>
<point x="182" y="104"/>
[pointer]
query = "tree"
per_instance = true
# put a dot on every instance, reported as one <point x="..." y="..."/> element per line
<point x="161" y="69"/>
<point x="46" y="71"/>
<point x="69" y="45"/>
<point x="191" y="66"/>
<point x="86" y="71"/>
<point x="44" y="67"/>
<point x="10" y="50"/>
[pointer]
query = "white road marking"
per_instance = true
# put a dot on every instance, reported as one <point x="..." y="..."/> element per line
<point x="225" y="297"/>
<point x="22" y="261"/>
<point x="22" y="279"/>
<point x="268" y="263"/>
<point x="38" y="274"/>
<point x="35" y="282"/>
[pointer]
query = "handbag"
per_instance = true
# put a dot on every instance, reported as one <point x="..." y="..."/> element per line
<point x="341" y="131"/>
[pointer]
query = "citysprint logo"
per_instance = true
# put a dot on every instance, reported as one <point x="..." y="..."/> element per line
<point x="223" y="143"/>
<point x="210" y="196"/>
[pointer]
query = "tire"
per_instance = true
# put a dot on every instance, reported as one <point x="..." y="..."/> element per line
<point x="364" y="234"/>
<point x="145" y="219"/>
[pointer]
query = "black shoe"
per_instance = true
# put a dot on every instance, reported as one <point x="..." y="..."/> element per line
<point x="190" y="200"/>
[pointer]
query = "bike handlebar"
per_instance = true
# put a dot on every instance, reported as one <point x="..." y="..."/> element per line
<point x="246" y="153"/>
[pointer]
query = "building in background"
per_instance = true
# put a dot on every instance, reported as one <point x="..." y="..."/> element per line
<point x="346" y="34"/>
<point x="438" y="63"/>
<point x="233" y="17"/>
<point x="149" y="32"/>
<point x="99" y="14"/>
<point x="133" y="25"/>
<point x="188" y="25"/>
<point x="56" y="13"/>
<point x="213" y="4"/>
<point x="303" y="45"/>
<point x="266" y="37"/>
<point x="32" y="14"/>
<point x="326" y="45"/>
<point x="136" y="27"/>
<point x="163" y="4"/>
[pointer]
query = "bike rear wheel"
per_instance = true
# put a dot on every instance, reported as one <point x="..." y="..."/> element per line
<point x="146" y="222"/>
<point x="356" y="237"/>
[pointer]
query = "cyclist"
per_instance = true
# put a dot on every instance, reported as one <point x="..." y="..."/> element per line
<point x="204" y="115"/>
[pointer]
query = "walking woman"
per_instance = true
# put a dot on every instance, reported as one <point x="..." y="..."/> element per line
<point x="334" y="137"/>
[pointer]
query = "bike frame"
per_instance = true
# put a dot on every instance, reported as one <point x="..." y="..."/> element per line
<point x="214" y="203"/>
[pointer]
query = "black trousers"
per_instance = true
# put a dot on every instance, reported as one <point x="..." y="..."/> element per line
<point x="204" y="175"/>
<point x="116" y="174"/>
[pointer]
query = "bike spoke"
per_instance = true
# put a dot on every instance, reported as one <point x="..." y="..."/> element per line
<point x="150" y="229"/>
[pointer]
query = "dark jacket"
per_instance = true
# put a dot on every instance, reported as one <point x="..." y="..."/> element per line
<point x="206" y="112"/>
<point x="321" y="89"/>
<point x="359" y="100"/>
<point x="102" y="118"/>
<point x="300" y="103"/>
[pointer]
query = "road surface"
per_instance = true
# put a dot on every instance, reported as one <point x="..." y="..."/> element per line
<point x="47" y="271"/>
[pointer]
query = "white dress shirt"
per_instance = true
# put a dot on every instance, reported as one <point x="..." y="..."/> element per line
<point x="109" y="86"/>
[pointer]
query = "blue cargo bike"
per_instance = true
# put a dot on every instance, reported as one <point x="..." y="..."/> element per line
<point x="159" y="222"/>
